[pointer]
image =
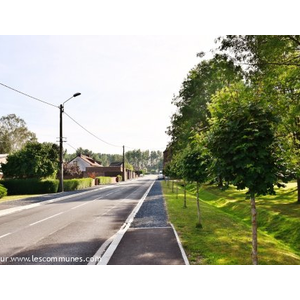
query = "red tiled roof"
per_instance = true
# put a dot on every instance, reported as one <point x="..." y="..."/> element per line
<point x="90" y="161"/>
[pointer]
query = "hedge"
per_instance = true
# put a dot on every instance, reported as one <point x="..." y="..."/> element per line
<point x="30" y="186"/>
<point x="37" y="186"/>
<point x="77" y="184"/>
<point x="3" y="191"/>
<point x="104" y="179"/>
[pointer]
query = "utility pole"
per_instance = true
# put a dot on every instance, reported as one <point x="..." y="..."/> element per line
<point x="61" y="110"/>
<point x="61" y="149"/>
<point x="61" y="162"/>
<point x="124" y="168"/>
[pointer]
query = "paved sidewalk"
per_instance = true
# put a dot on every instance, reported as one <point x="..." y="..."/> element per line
<point x="150" y="240"/>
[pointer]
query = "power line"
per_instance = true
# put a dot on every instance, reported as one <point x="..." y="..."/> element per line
<point x="72" y="147"/>
<point x="95" y="136"/>
<point x="28" y="95"/>
<point x="50" y="104"/>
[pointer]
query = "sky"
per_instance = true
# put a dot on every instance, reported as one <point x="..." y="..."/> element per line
<point x="126" y="58"/>
<point x="126" y="82"/>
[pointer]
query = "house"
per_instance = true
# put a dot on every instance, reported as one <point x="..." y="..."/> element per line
<point x="83" y="162"/>
<point x="114" y="169"/>
<point x="117" y="164"/>
<point x="3" y="160"/>
<point x="88" y="166"/>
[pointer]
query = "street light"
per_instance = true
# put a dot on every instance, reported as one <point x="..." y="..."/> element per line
<point x="61" y="162"/>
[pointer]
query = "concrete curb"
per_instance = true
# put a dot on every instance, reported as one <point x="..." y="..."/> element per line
<point x="186" y="261"/>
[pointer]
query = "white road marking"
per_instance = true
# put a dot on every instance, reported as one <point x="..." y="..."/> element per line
<point x="4" y="235"/>
<point x="46" y="219"/>
<point x="119" y="235"/>
<point x="109" y="194"/>
<point x="8" y="211"/>
<point x="97" y="257"/>
<point x="82" y="204"/>
<point x="17" y="209"/>
<point x="184" y="256"/>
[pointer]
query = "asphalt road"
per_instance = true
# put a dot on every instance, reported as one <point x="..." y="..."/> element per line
<point x="68" y="231"/>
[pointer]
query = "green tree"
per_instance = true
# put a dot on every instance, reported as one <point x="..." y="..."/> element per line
<point x="136" y="158"/>
<point x="3" y="191"/>
<point x="86" y="152"/>
<point x="242" y="138"/>
<point x="14" y="134"/>
<point x="174" y="170"/>
<point x="144" y="160"/>
<point x="259" y="52"/>
<point x="273" y="63"/>
<point x="34" y="160"/>
<point x="195" y="95"/>
<point x="195" y="163"/>
<point x="154" y="160"/>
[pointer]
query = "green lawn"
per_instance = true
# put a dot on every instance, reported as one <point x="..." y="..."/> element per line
<point x="16" y="197"/>
<point x="226" y="234"/>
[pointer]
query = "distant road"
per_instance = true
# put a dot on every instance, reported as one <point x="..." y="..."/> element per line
<point x="68" y="231"/>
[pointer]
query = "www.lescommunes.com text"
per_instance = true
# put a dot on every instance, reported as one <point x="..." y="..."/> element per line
<point x="47" y="259"/>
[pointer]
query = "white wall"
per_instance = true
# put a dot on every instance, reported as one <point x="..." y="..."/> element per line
<point x="80" y="163"/>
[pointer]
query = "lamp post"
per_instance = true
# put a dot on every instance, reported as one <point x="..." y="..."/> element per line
<point x="124" y="168"/>
<point x="61" y="162"/>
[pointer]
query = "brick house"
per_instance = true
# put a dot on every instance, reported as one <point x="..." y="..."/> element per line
<point x="88" y="166"/>
<point x="83" y="162"/>
<point x="114" y="169"/>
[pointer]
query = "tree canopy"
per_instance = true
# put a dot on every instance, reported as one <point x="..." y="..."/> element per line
<point x="263" y="69"/>
<point x="34" y="160"/>
<point x="138" y="160"/>
<point x="14" y="134"/>
<point x="272" y="63"/>
<point x="244" y="104"/>
<point x="242" y="138"/>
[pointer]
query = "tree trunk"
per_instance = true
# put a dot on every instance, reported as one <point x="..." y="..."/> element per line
<point x="254" y="231"/>
<point x="184" y="195"/>
<point x="298" y="188"/>
<point x="172" y="186"/>
<point x="220" y="181"/>
<point x="198" y="206"/>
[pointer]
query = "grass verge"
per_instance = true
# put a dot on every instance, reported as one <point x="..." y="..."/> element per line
<point x="225" y="238"/>
<point x="16" y="197"/>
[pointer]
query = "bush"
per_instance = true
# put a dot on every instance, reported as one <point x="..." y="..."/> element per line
<point x="34" y="160"/>
<point x="30" y="186"/>
<point x="36" y="186"/>
<point x="104" y="179"/>
<point x="77" y="184"/>
<point x="3" y="191"/>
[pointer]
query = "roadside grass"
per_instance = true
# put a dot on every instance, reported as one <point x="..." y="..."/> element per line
<point x="225" y="238"/>
<point x="16" y="197"/>
<point x="278" y="215"/>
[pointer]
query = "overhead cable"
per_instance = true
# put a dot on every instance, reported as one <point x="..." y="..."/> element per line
<point x="90" y="132"/>
<point x="28" y="95"/>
